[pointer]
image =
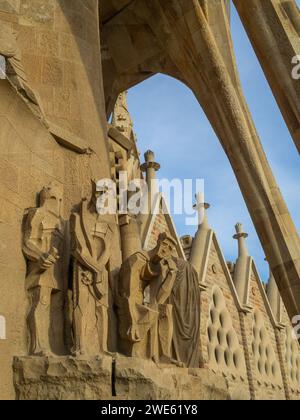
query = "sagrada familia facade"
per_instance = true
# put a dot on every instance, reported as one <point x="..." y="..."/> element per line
<point x="116" y="306"/>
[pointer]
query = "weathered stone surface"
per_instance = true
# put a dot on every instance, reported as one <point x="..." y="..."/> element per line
<point x="53" y="128"/>
<point x="91" y="251"/>
<point x="44" y="248"/>
<point x="63" y="378"/>
<point x="67" y="378"/>
<point x="143" y="380"/>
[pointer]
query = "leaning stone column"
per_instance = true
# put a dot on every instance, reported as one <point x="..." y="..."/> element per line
<point x="151" y="167"/>
<point x="274" y="297"/>
<point x="202" y="238"/>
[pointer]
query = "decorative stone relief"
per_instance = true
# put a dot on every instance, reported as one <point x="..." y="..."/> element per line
<point x="91" y="238"/>
<point x="264" y="356"/>
<point x="292" y="358"/>
<point x="121" y="117"/>
<point x="164" y="323"/>
<point x="44" y="248"/>
<point x="224" y="350"/>
<point x="136" y="318"/>
<point x="15" y="71"/>
<point x="214" y="269"/>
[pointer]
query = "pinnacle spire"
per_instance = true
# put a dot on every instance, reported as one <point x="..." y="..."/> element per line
<point x="150" y="167"/>
<point x="202" y="208"/>
<point x="201" y="240"/>
<point x="240" y="277"/>
<point x="241" y="238"/>
<point x="121" y="117"/>
<point x="274" y="296"/>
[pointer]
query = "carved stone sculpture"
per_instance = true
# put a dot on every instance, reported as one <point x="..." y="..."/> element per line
<point x="161" y="272"/>
<point x="15" y="71"/>
<point x="177" y="291"/>
<point x="159" y="306"/>
<point x="135" y="317"/>
<point x="209" y="69"/>
<point x="121" y="117"/>
<point x="91" y="250"/>
<point x="44" y="249"/>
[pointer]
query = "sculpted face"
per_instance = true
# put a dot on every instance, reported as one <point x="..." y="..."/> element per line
<point x="165" y="248"/>
<point x="53" y="191"/>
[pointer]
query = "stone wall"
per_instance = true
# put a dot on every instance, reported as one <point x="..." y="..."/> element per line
<point x="26" y="165"/>
<point x="60" y="55"/>
<point x="107" y="379"/>
<point x="60" y="47"/>
<point x="261" y="341"/>
<point x="291" y="356"/>
<point x="29" y="160"/>
<point x="58" y="112"/>
<point x="258" y="358"/>
<point x="221" y="334"/>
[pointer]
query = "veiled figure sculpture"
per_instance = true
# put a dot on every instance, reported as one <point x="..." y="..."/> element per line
<point x="159" y="307"/>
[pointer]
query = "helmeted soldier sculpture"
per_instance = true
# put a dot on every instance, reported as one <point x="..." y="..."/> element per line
<point x="44" y="248"/>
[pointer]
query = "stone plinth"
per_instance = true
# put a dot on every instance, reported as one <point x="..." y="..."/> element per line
<point x="62" y="378"/>
<point x="143" y="380"/>
<point x="68" y="378"/>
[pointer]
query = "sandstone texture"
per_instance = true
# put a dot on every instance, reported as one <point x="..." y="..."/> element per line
<point x="100" y="305"/>
<point x="106" y="379"/>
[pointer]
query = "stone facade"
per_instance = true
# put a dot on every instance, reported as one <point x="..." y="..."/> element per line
<point x="80" y="291"/>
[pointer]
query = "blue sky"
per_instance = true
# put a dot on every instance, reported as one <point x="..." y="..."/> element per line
<point x="169" y="121"/>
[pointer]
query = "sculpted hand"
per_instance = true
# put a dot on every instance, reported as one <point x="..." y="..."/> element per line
<point x="133" y="334"/>
<point x="49" y="259"/>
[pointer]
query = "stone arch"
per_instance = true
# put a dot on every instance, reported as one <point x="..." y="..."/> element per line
<point x="182" y="40"/>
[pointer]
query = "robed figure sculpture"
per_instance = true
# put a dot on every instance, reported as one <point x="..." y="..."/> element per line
<point x="91" y="238"/>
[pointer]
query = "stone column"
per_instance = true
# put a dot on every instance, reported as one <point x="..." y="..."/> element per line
<point x="150" y="167"/>
<point x="202" y="237"/>
<point x="274" y="297"/>
<point x="241" y="271"/>
<point x="130" y="236"/>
